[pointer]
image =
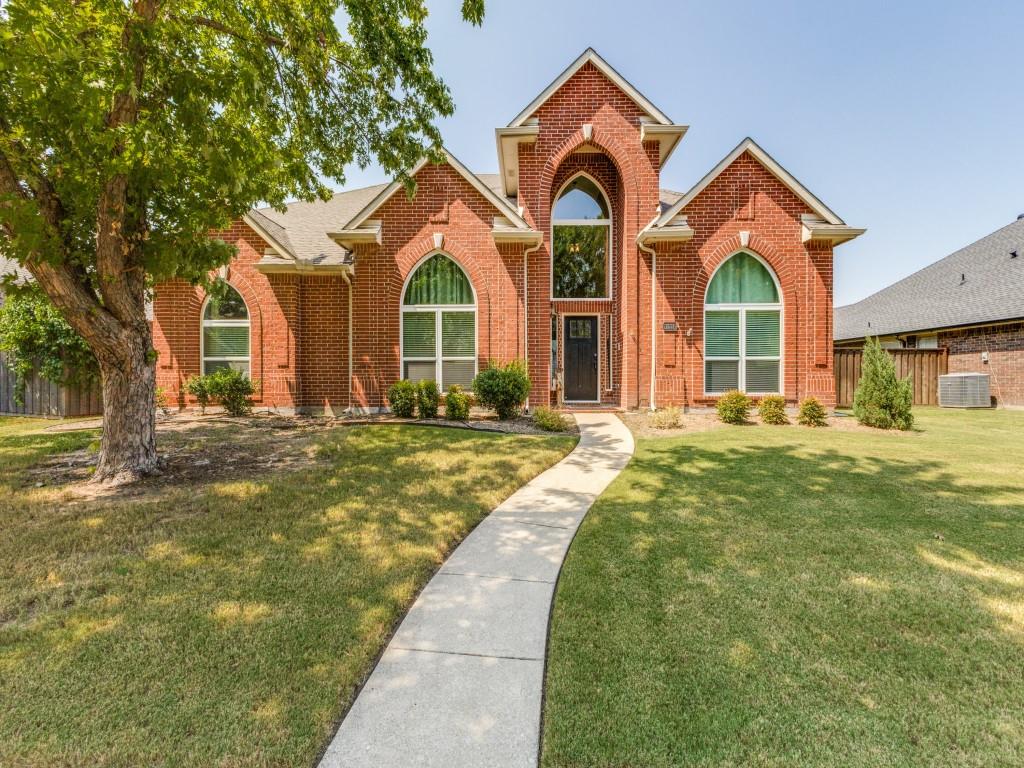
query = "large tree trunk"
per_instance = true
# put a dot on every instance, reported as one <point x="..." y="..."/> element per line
<point x="128" y="447"/>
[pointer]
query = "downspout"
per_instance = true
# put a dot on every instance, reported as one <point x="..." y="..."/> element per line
<point x="526" y="311"/>
<point x="348" y="282"/>
<point x="654" y="313"/>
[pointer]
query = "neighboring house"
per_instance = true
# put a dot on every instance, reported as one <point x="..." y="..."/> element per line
<point x="971" y="302"/>
<point x="8" y="268"/>
<point x="618" y="294"/>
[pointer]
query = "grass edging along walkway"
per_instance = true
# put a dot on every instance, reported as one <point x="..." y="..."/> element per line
<point x="795" y="597"/>
<point x="225" y="620"/>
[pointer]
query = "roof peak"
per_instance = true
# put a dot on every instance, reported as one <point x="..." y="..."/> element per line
<point x="590" y="56"/>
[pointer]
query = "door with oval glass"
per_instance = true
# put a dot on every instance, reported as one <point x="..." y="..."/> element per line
<point x="580" y="338"/>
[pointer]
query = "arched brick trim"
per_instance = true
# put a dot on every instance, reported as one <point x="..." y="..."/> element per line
<point x="603" y="141"/>
<point x="791" y="304"/>
<point x="241" y="283"/>
<point x="415" y="253"/>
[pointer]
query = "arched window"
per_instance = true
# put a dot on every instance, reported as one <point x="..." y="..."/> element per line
<point x="743" y="328"/>
<point x="225" y="339"/>
<point x="439" y="324"/>
<point x="581" y="229"/>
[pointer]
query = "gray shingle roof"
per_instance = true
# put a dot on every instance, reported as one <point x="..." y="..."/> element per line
<point x="991" y="289"/>
<point x="303" y="227"/>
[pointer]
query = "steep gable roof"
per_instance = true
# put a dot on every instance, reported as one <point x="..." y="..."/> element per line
<point x="981" y="283"/>
<point x="492" y="195"/>
<point x="590" y="56"/>
<point x="749" y="145"/>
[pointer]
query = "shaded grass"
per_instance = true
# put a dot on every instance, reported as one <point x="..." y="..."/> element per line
<point x="225" y="623"/>
<point x="780" y="596"/>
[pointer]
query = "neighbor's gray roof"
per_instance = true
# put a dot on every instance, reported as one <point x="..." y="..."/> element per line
<point x="302" y="228"/>
<point x="991" y="289"/>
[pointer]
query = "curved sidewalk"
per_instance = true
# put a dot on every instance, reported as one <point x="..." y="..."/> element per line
<point x="459" y="685"/>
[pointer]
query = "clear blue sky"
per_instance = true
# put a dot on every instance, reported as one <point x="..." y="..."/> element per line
<point x="904" y="117"/>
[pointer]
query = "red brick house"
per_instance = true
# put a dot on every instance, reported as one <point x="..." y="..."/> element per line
<point x="617" y="293"/>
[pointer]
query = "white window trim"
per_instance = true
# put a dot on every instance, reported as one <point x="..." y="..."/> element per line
<point x="438" y="358"/>
<point x="742" y="309"/>
<point x="204" y="324"/>
<point x="609" y="248"/>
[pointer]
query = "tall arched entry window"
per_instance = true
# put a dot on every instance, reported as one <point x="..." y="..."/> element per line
<point x="743" y="328"/>
<point x="581" y="238"/>
<point x="439" y="324"/>
<point x="224" y="342"/>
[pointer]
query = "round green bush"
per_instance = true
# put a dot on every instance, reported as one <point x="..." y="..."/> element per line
<point x="772" y="410"/>
<point x="428" y="397"/>
<point x="550" y="420"/>
<point x="232" y="389"/>
<point x="503" y="389"/>
<point x="812" y="413"/>
<point x="456" y="404"/>
<point x="402" y="399"/>
<point x="734" y="407"/>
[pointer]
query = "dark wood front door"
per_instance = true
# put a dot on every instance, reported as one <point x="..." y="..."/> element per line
<point x="580" y="339"/>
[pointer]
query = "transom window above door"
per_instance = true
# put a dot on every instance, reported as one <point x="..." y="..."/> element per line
<point x="439" y="325"/>
<point x="581" y="237"/>
<point x="743" y="328"/>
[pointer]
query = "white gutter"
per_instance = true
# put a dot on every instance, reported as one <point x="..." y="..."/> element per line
<point x="526" y="312"/>
<point x="348" y="282"/>
<point x="654" y="314"/>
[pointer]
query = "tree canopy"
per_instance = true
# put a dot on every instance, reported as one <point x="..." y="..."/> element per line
<point x="132" y="129"/>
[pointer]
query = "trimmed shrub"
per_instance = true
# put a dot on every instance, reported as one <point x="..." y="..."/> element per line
<point x="812" y="413"/>
<point x="667" y="418"/>
<point x="402" y="399"/>
<point x="161" y="402"/>
<point x="772" y="410"/>
<point x="550" y="420"/>
<point x="428" y="397"/>
<point x="882" y="400"/>
<point x="198" y="387"/>
<point x="734" y="407"/>
<point x="456" y="404"/>
<point x="233" y="390"/>
<point x="503" y="389"/>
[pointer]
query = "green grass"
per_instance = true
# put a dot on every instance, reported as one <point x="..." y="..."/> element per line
<point x="781" y="596"/>
<point x="223" y="622"/>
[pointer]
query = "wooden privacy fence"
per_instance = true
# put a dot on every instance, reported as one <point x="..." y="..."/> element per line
<point x="45" y="398"/>
<point x="925" y="365"/>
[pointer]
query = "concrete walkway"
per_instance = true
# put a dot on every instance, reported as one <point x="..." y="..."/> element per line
<point x="459" y="686"/>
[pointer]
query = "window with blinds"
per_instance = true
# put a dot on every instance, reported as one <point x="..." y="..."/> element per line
<point x="743" y="328"/>
<point x="439" y="325"/>
<point x="224" y="342"/>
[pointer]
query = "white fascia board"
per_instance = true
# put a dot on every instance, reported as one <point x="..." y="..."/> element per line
<point x="259" y="230"/>
<point x="508" y="141"/>
<point x="749" y="145"/>
<point x="271" y="266"/>
<point x="590" y="55"/>
<point x="498" y="202"/>
<point x="368" y="232"/>
<point x="667" y="136"/>
<point x="821" y="231"/>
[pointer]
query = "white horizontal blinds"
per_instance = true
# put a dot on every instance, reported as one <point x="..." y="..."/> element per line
<point x="439" y="337"/>
<point x="721" y="351"/>
<point x="225" y="333"/>
<point x="763" y="347"/>
<point x="743" y="328"/>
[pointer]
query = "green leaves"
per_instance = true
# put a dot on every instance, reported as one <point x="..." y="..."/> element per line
<point x="206" y="108"/>
<point x="37" y="337"/>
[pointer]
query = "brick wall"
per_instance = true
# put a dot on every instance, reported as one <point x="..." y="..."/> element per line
<point x="744" y="198"/>
<point x="300" y="321"/>
<point x="628" y="171"/>
<point x="1005" y="347"/>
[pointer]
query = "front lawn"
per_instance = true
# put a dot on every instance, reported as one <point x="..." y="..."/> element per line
<point x="781" y="596"/>
<point x="223" y="614"/>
